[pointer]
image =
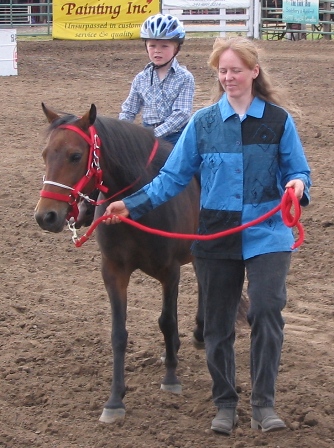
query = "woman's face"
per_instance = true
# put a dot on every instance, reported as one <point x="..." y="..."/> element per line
<point x="235" y="77"/>
<point x="160" y="51"/>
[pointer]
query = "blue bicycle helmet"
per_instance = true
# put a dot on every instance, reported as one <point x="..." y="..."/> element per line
<point x="163" y="27"/>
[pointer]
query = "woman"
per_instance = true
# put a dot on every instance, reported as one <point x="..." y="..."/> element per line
<point x="248" y="151"/>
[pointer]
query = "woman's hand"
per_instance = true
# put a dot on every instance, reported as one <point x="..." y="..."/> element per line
<point x="298" y="186"/>
<point x="116" y="208"/>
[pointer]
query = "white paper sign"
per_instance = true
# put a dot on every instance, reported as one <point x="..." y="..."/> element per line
<point x="206" y="4"/>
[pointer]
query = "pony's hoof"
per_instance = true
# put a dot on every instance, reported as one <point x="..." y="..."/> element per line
<point x="173" y="388"/>
<point x="199" y="345"/>
<point x="112" y="415"/>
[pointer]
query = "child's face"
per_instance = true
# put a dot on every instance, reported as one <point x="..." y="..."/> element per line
<point x="160" y="51"/>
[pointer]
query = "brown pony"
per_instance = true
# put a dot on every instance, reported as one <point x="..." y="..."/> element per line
<point x="118" y="157"/>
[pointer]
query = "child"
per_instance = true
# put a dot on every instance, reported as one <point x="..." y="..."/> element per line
<point x="164" y="90"/>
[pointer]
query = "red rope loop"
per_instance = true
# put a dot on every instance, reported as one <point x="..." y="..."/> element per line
<point x="289" y="202"/>
<point x="289" y="199"/>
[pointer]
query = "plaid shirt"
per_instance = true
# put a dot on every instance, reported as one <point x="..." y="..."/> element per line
<point x="167" y="103"/>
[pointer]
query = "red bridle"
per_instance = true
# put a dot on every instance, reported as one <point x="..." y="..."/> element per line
<point x="93" y="172"/>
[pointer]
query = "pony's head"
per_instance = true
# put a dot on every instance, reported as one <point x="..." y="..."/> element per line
<point x="132" y="156"/>
<point x="71" y="167"/>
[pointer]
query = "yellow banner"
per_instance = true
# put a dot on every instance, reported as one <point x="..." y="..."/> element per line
<point x="100" y="20"/>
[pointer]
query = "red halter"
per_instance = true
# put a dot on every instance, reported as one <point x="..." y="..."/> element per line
<point x="93" y="172"/>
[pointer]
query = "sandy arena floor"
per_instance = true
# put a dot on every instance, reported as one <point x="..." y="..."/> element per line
<point x="55" y="369"/>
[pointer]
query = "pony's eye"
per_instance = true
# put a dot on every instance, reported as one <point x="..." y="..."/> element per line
<point x="76" y="157"/>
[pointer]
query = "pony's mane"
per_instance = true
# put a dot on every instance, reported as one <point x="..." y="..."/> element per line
<point x="125" y="148"/>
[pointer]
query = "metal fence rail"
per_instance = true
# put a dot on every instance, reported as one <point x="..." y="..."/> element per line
<point x="17" y="14"/>
<point x="274" y="28"/>
<point x="27" y="17"/>
<point x="34" y="18"/>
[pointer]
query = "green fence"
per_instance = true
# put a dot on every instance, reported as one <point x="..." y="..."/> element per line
<point x="273" y="27"/>
<point x="28" y="18"/>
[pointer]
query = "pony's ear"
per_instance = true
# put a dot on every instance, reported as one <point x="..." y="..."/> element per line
<point x="87" y="119"/>
<point x="92" y="114"/>
<point x="50" y="115"/>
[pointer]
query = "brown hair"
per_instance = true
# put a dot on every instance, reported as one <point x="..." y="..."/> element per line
<point x="248" y="52"/>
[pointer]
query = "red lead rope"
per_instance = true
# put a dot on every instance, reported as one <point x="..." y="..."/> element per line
<point x="289" y="200"/>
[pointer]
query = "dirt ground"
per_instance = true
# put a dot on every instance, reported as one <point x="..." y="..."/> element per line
<point x="55" y="369"/>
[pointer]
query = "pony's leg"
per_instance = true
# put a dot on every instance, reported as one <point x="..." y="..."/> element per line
<point x="198" y="338"/>
<point x="169" y="327"/>
<point x="116" y="283"/>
